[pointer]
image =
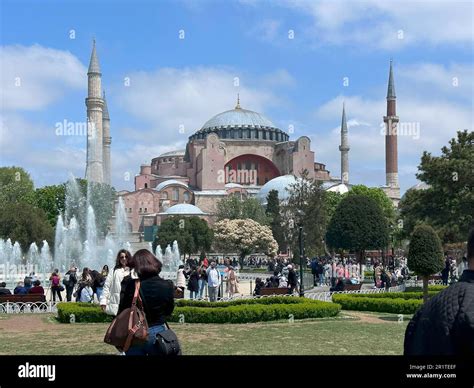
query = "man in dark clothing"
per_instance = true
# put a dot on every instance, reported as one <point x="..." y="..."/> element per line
<point x="292" y="279"/>
<point x="445" y="324"/>
<point x="4" y="290"/>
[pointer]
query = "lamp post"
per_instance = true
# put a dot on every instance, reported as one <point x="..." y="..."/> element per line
<point x="301" y="259"/>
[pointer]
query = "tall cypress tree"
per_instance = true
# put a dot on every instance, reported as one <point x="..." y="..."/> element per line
<point x="273" y="212"/>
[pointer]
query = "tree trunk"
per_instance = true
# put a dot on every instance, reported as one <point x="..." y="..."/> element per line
<point x="241" y="261"/>
<point x="425" y="289"/>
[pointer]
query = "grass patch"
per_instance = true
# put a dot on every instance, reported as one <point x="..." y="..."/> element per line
<point x="347" y="334"/>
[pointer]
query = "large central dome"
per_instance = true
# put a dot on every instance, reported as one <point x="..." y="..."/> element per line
<point x="241" y="124"/>
<point x="238" y="118"/>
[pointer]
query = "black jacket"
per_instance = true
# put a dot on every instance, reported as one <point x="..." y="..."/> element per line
<point x="193" y="282"/>
<point x="292" y="280"/>
<point x="158" y="295"/>
<point x="445" y="324"/>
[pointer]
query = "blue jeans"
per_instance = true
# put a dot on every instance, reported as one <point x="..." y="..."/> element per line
<point x="147" y="348"/>
<point x="99" y="291"/>
<point x="202" y="284"/>
<point x="322" y="280"/>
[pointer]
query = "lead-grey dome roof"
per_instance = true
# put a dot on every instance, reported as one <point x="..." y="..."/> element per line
<point x="241" y="123"/>
<point x="238" y="118"/>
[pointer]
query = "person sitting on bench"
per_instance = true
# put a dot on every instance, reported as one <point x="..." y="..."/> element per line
<point x="4" y="290"/>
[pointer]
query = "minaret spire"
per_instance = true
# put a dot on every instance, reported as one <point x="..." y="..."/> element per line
<point x="391" y="128"/>
<point x="94" y="62"/>
<point x="344" y="148"/>
<point x="391" y="83"/>
<point x="95" y="105"/>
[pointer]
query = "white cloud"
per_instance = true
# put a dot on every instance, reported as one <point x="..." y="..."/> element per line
<point x="377" y="23"/>
<point x="170" y="100"/>
<point x="267" y="30"/>
<point x="33" y="77"/>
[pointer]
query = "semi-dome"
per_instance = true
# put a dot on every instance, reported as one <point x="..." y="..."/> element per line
<point x="241" y="123"/>
<point x="170" y="182"/>
<point x="282" y="184"/>
<point x="184" y="209"/>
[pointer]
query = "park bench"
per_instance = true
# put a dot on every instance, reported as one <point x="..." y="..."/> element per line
<point x="352" y="287"/>
<point x="274" y="291"/>
<point x="28" y="301"/>
<point x="28" y="298"/>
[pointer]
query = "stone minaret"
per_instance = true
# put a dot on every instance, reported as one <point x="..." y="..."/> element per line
<point x="391" y="121"/>
<point x="106" y="142"/>
<point x="95" y="105"/>
<point x="344" y="148"/>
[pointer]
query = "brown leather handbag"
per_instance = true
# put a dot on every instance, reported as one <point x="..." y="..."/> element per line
<point x="130" y="326"/>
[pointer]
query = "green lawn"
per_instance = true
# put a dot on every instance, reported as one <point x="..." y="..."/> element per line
<point x="351" y="333"/>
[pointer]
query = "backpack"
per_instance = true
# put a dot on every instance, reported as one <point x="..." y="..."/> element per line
<point x="55" y="281"/>
<point x="67" y="279"/>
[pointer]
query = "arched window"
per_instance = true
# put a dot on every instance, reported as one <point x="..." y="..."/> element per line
<point x="175" y="195"/>
<point x="146" y="185"/>
<point x="187" y="197"/>
<point x="164" y="195"/>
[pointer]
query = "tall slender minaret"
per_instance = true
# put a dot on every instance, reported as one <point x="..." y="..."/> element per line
<point x="95" y="105"/>
<point x="106" y="142"/>
<point x="391" y="121"/>
<point x="344" y="148"/>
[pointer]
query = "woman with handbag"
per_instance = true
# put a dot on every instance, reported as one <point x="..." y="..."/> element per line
<point x="110" y="295"/>
<point x="152" y="294"/>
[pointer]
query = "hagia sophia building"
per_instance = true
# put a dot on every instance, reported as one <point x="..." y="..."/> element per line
<point x="236" y="152"/>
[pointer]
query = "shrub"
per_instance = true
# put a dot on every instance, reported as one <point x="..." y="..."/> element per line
<point x="237" y="311"/>
<point x="430" y="288"/>
<point x="83" y="312"/>
<point x="377" y="304"/>
<point x="395" y="295"/>
<point x="238" y="302"/>
<point x="254" y="312"/>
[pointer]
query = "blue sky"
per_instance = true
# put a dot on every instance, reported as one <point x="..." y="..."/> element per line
<point x="297" y="83"/>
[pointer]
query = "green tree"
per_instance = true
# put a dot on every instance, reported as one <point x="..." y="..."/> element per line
<point x="425" y="254"/>
<point x="15" y="186"/>
<point x="51" y="199"/>
<point x="25" y="223"/>
<point x="358" y="225"/>
<point x="379" y="196"/>
<point x="192" y="234"/>
<point x="448" y="202"/>
<point x="331" y="200"/>
<point x="276" y="224"/>
<point x="233" y="208"/>
<point x="306" y="207"/>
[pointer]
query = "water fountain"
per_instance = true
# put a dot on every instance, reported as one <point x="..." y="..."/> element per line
<point x="81" y="249"/>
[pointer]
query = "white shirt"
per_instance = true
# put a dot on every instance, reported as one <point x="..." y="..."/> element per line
<point x="87" y="294"/>
<point x="213" y="277"/>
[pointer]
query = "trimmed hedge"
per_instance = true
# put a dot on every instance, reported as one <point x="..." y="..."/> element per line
<point x="255" y="312"/>
<point x="238" y="311"/>
<point x="238" y="302"/>
<point x="396" y="295"/>
<point x="430" y="288"/>
<point x="377" y="304"/>
<point x="83" y="312"/>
